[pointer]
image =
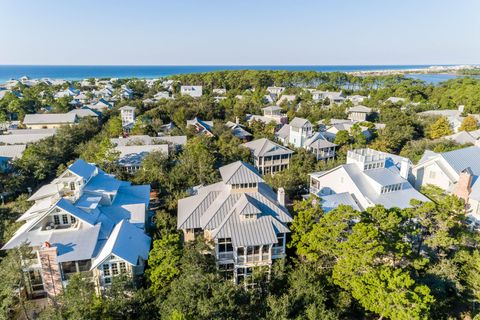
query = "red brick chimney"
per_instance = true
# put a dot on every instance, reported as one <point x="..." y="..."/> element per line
<point x="462" y="187"/>
<point x="51" y="274"/>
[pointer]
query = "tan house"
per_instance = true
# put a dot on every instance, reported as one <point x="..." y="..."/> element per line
<point x="241" y="217"/>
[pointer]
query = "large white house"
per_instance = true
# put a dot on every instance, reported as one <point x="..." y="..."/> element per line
<point x="241" y="216"/>
<point x="192" y="91"/>
<point x="456" y="172"/>
<point x="368" y="178"/>
<point x="84" y="221"/>
<point x="300" y="134"/>
<point x="332" y="96"/>
<point x="127" y="114"/>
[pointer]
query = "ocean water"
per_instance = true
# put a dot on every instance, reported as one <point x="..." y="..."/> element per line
<point x="81" y="72"/>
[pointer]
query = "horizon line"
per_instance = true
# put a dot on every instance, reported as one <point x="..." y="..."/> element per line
<point x="230" y="65"/>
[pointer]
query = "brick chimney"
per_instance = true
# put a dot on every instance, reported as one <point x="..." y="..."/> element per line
<point x="51" y="275"/>
<point x="281" y="196"/>
<point x="462" y="187"/>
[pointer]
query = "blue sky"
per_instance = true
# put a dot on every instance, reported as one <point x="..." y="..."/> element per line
<point x="243" y="32"/>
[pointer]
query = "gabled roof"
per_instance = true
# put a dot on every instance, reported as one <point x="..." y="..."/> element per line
<point x="240" y="172"/>
<point x="84" y="112"/>
<point x="67" y="206"/>
<point x="127" y="108"/>
<point x="134" y="155"/>
<point x="12" y="151"/>
<point x="272" y="108"/>
<point x="360" y="108"/>
<point x="461" y="159"/>
<point x="284" y="132"/>
<point x="264" y="147"/>
<point x="299" y="122"/>
<point x="82" y="169"/>
<point x="247" y="205"/>
<point x="46" y="190"/>
<point x="126" y="242"/>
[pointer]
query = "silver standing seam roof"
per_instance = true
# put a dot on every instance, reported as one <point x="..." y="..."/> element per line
<point x="220" y="209"/>
<point x="264" y="147"/>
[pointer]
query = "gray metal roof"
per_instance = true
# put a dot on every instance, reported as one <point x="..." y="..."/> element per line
<point x="284" y="132"/>
<point x="12" y="151"/>
<point x="49" y="118"/>
<point x="240" y="172"/>
<point x="264" y="147"/>
<point x="464" y="158"/>
<point x="82" y="113"/>
<point x="221" y="210"/>
<point x="360" y="108"/>
<point x="299" y="122"/>
<point x="134" y="155"/>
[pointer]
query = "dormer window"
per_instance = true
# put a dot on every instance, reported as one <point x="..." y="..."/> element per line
<point x="250" y="216"/>
<point x="391" y="188"/>
<point x="244" y="185"/>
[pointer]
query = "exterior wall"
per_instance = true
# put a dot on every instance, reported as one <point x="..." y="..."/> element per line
<point x="46" y="126"/>
<point x="267" y="165"/>
<point x="358" y="116"/>
<point x="238" y="263"/>
<point x="189" y="234"/>
<point x="324" y="153"/>
<point x="298" y="136"/>
<point x="474" y="207"/>
<point x="431" y="174"/>
<point x="128" y="116"/>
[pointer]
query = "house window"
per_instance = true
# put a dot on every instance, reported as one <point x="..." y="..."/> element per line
<point x="225" y="245"/>
<point x="84" y="265"/>
<point x="123" y="267"/>
<point x="226" y="270"/>
<point x="72" y="185"/>
<point x="432" y="174"/>
<point x="65" y="219"/>
<point x="280" y="239"/>
<point x="73" y="219"/>
<point x="68" y="268"/>
<point x="114" y="269"/>
<point x="106" y="270"/>
<point x="56" y="219"/>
